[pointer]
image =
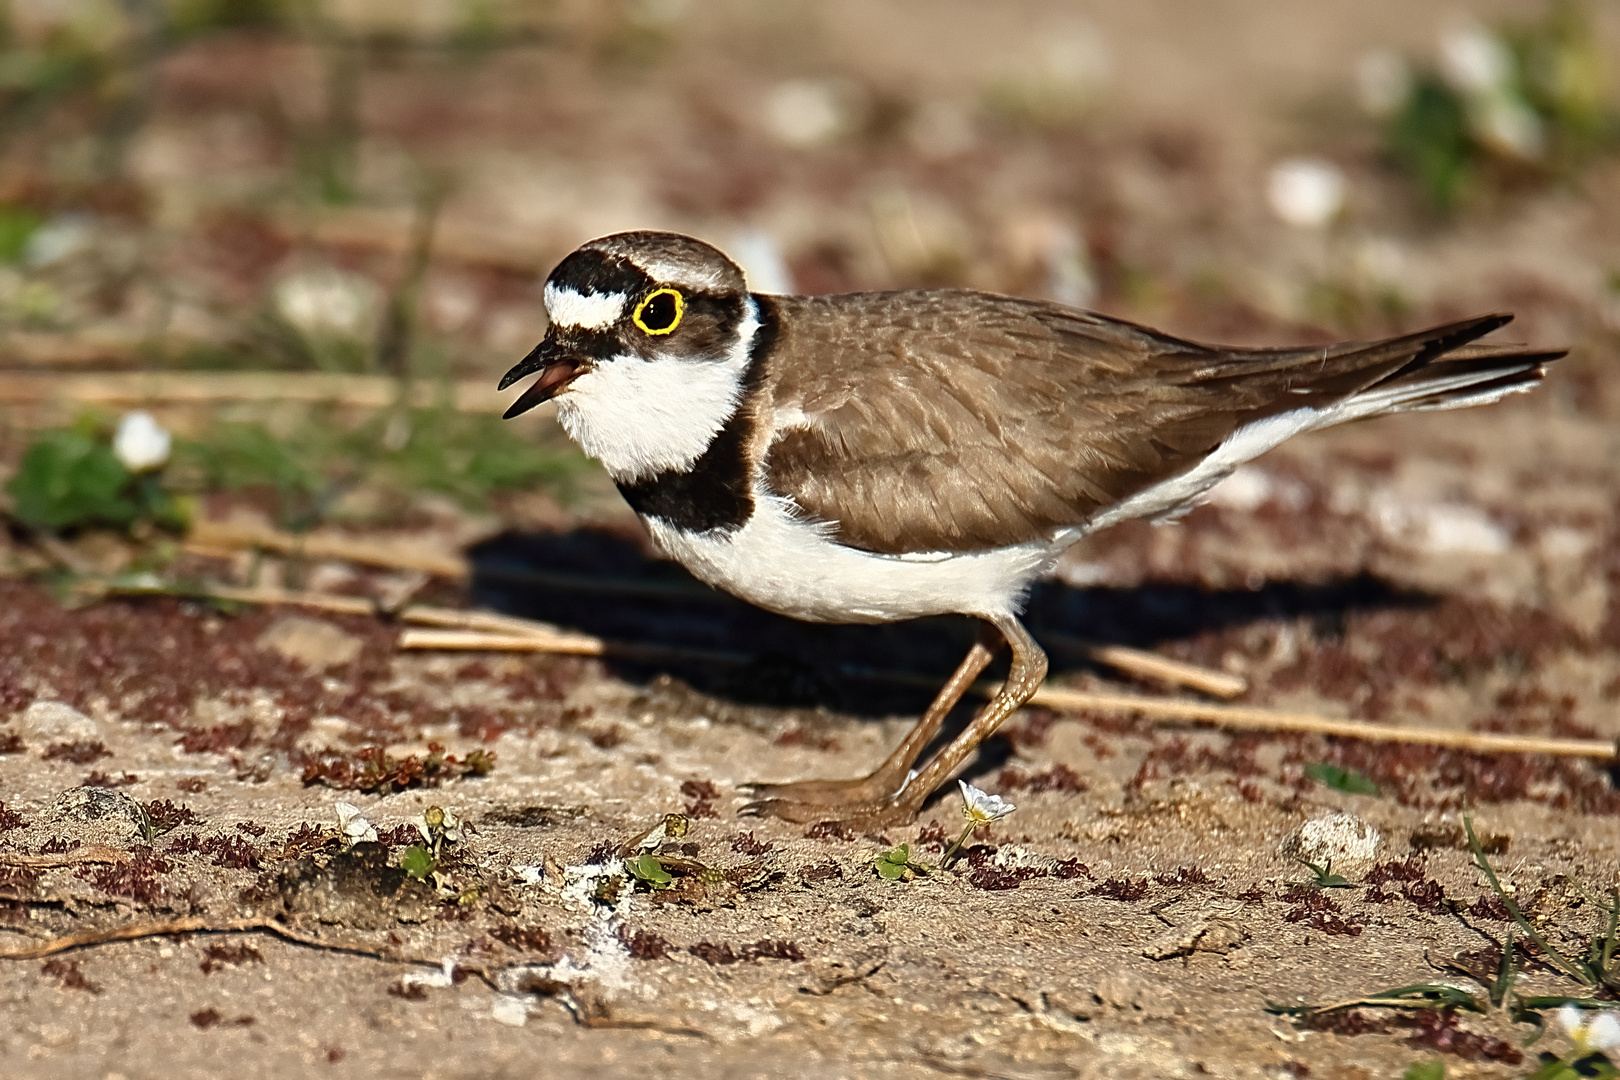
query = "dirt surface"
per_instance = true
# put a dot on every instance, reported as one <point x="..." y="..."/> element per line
<point x="163" y="759"/>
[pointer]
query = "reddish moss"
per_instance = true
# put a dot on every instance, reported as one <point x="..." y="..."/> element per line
<point x="821" y="872"/>
<point x="80" y="752"/>
<point x="644" y="944"/>
<point x="136" y="880"/>
<point x="219" y="956"/>
<point x="165" y="815"/>
<point x="743" y="843"/>
<point x="1122" y="889"/>
<point x="1440" y="1030"/>
<point x="992" y="878"/>
<point x="712" y="953"/>
<point x="399" y="836"/>
<point x="828" y="830"/>
<point x="1328" y="924"/>
<point x="212" y="1017"/>
<point x="1491" y="908"/>
<point x="1184" y="876"/>
<point x="97" y="778"/>
<point x="1072" y="868"/>
<point x="1053" y="778"/>
<point x="527" y="938"/>
<point x="67" y="975"/>
<point x="799" y="735"/>
<point x="1411" y="868"/>
<point x="371" y="769"/>
<point x="700" y="795"/>
<point x="220" y="739"/>
<point x="11" y="743"/>
<point x="1349" y="1022"/>
<point x="10" y="819"/>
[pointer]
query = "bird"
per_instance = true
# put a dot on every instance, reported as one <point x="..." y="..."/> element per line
<point x="879" y="456"/>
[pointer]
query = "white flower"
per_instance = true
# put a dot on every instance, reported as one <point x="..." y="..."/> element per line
<point x="806" y="112"/>
<point x="439" y="825"/>
<point x="353" y="824"/>
<point x="1594" y="1033"/>
<point x="141" y="442"/>
<point x="324" y="301"/>
<point x="981" y="808"/>
<point x="1473" y="59"/>
<point x="1307" y="192"/>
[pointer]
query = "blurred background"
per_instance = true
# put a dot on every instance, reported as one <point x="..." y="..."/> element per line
<point x="309" y="235"/>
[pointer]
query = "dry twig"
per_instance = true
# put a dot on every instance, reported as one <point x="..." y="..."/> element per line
<point x="124" y="388"/>
<point x="1251" y="719"/>
<point x="94" y="853"/>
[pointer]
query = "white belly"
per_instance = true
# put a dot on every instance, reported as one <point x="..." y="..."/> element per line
<point x="785" y="564"/>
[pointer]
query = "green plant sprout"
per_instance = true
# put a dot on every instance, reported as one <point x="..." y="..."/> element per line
<point x="1590" y="1021"/>
<point x="1325" y="877"/>
<point x="896" y="864"/>
<point x="1347" y="780"/>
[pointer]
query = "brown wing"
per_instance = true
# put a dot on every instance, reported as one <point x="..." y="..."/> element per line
<point x="959" y="421"/>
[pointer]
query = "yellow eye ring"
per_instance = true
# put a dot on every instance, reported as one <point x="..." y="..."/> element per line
<point x="660" y="311"/>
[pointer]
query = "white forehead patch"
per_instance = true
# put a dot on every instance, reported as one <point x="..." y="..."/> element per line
<point x="583" y="311"/>
<point x="684" y="275"/>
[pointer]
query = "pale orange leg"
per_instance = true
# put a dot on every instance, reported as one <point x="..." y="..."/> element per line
<point x="883" y="803"/>
<point x="819" y="800"/>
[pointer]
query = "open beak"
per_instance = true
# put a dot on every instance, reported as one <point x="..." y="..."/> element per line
<point x="557" y="368"/>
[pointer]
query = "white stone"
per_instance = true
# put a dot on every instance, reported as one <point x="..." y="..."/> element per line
<point x="1306" y="192"/>
<point x="57" y="721"/>
<point x="1342" y="840"/>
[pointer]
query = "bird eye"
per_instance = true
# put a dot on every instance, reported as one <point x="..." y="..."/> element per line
<point x="661" y="312"/>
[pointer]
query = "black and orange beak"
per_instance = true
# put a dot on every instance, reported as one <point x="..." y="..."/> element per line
<point x="557" y="367"/>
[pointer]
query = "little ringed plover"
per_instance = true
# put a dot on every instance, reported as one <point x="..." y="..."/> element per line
<point x="880" y="456"/>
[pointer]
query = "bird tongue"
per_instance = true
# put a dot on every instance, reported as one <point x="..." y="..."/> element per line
<point x="551" y="377"/>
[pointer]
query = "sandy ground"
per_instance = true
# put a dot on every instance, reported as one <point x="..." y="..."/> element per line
<point x="1142" y="907"/>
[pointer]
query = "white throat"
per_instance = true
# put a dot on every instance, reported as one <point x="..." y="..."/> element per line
<point x="643" y="417"/>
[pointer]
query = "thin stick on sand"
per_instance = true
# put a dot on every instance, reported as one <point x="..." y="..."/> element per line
<point x="455" y="630"/>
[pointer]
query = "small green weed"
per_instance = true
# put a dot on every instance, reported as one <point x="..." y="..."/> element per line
<point x="1338" y="779"/>
<point x="1325" y="877"/>
<point x="1529" y="101"/>
<point x="71" y="478"/>
<point x="1588" y="1019"/>
<point x="897" y="864"/>
<point x="647" y="869"/>
<point x="418" y="862"/>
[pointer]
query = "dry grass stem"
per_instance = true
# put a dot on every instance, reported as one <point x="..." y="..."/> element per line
<point x="1147" y="665"/>
<point x="1252" y="719"/>
<point x="214" y="536"/>
<point x="93" y="853"/>
<point x="125" y="388"/>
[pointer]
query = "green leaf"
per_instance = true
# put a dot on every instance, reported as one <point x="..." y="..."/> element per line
<point x="17" y="224"/>
<point x="647" y="868"/>
<point x="1325" y="877"/>
<point x="893" y="864"/>
<point x="418" y="862"/>
<point x="1426" y="1070"/>
<point x="1341" y="779"/>
<point x="68" y="479"/>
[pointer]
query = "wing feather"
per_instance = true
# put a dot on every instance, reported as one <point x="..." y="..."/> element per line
<point x="959" y="421"/>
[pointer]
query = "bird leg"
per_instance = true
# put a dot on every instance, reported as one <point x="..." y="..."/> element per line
<point x="819" y="800"/>
<point x="877" y="805"/>
<point x="1027" y="674"/>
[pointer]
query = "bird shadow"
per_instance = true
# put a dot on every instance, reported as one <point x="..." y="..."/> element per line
<point x="606" y="583"/>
